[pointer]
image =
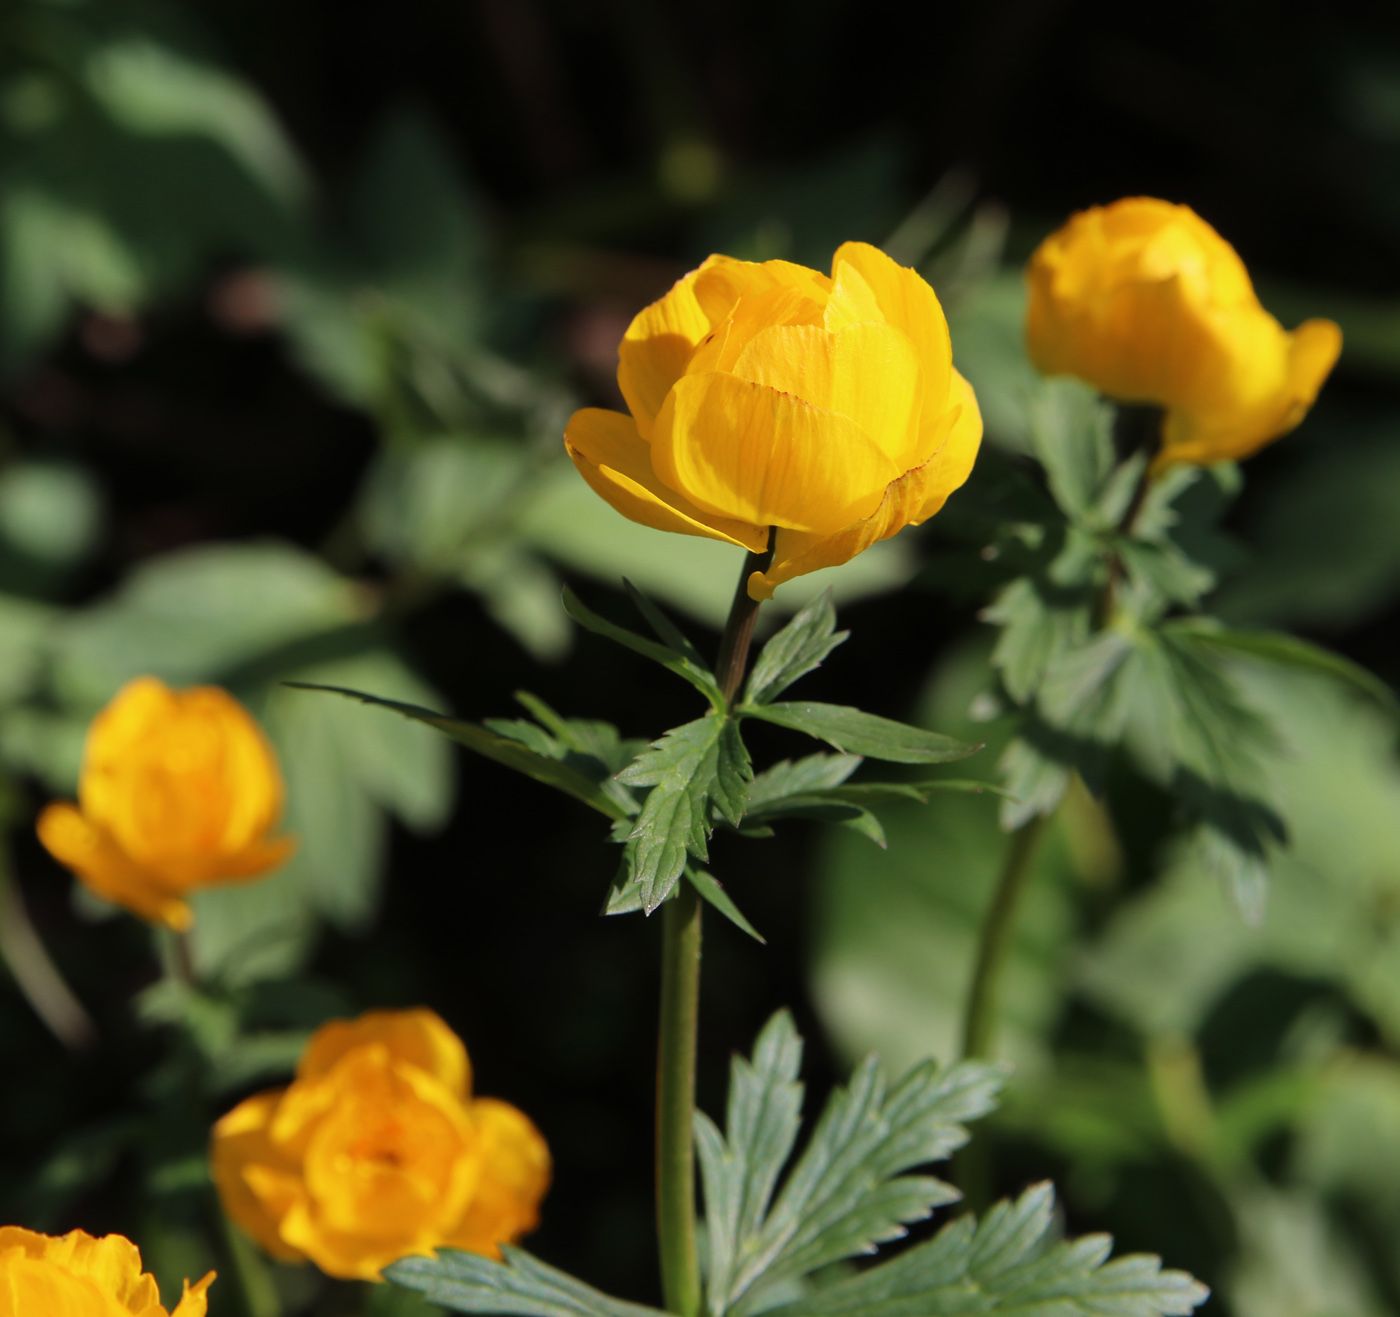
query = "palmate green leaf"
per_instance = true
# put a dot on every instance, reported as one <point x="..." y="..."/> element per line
<point x="503" y="749"/>
<point x="795" y="651"/>
<point x="1010" y="1262"/>
<point x="848" y="1191"/>
<point x="1290" y="651"/>
<point x="521" y="1285"/>
<point x="674" y="660"/>
<point x="1071" y="433"/>
<point x="855" y="732"/>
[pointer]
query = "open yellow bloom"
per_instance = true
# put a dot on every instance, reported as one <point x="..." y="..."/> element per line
<point x="179" y="790"/>
<point x="769" y="395"/>
<point x="377" y="1150"/>
<point x="1146" y="302"/>
<point x="76" y="1275"/>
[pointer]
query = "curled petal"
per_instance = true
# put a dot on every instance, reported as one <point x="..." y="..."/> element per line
<point x="616" y="463"/>
<point x="257" y="1183"/>
<point x="1313" y="349"/>
<point x="515" y="1174"/>
<point x="92" y="854"/>
<point x="951" y="465"/>
<point x="757" y="455"/>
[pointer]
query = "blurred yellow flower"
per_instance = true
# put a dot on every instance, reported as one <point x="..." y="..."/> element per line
<point x="179" y="790"/>
<point x="76" y="1275"/>
<point x="769" y="395"/>
<point x="1146" y="302"/>
<point x="377" y="1150"/>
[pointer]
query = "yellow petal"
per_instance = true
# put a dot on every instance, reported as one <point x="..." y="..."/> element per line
<point x="950" y="467"/>
<point x="852" y="299"/>
<point x="866" y="371"/>
<point x="101" y="865"/>
<point x="722" y="281"/>
<point x="1237" y="432"/>
<point x="257" y="1183"/>
<point x="796" y="554"/>
<point x="911" y="306"/>
<point x="658" y="343"/>
<point x="751" y="453"/>
<point x="515" y="1175"/>
<point x="616" y="463"/>
<point x="419" y="1037"/>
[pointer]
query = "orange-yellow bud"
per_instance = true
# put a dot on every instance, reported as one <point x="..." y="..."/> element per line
<point x="769" y="395"/>
<point x="1146" y="302"/>
<point x="179" y="790"/>
<point x="377" y="1151"/>
<point x="76" y="1275"/>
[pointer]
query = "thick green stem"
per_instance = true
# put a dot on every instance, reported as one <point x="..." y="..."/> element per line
<point x="980" y="1016"/>
<point x="680" y="1016"/>
<point x="675" y="1101"/>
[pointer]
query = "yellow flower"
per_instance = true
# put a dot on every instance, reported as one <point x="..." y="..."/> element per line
<point x="769" y="395"/>
<point x="1146" y="302"/>
<point x="76" y="1275"/>
<point x="377" y="1150"/>
<point x="179" y="790"/>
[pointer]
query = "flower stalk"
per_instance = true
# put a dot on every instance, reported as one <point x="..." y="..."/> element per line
<point x="680" y="1013"/>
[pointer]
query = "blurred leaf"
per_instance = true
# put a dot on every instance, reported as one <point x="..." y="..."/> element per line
<point x="49" y="511"/>
<point x="1011" y="1261"/>
<point x="1071" y="433"/>
<point x="796" y="650"/>
<point x="896" y="931"/>
<point x="856" y="732"/>
<point x="1168" y="955"/>
<point x="25" y="627"/>
<point x="988" y="331"/>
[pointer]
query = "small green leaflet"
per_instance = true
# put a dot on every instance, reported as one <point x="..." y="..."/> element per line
<point x="686" y="769"/>
<point x="682" y="664"/>
<point x="521" y="1285"/>
<point x="503" y="749"/>
<point x="855" y="732"/>
<point x="666" y="631"/>
<point x="1071" y="433"/>
<point x="848" y="1191"/>
<point x="710" y="888"/>
<point x="795" y="651"/>
<point x="1012" y="1261"/>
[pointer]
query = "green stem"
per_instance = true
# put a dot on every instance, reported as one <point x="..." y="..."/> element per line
<point x="675" y="1101"/>
<point x="680" y="1015"/>
<point x="980" y="1017"/>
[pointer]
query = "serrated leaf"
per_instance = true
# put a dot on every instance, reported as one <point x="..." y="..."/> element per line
<point x="1009" y="1262"/>
<point x="818" y="772"/>
<point x="682" y="768"/>
<point x="695" y="673"/>
<point x="856" y="732"/>
<point x="710" y="888"/>
<point x="822" y="809"/>
<point x="1039" y="621"/>
<point x="848" y="1191"/>
<point x="795" y="651"/>
<point x="1290" y="651"/>
<point x="521" y="1285"/>
<point x="502" y="749"/>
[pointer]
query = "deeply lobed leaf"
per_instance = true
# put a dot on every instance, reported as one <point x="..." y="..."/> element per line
<point x="794" y="651"/>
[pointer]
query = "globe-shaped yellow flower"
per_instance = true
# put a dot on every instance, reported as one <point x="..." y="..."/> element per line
<point x="179" y="790"/>
<point x="377" y="1151"/>
<point x="1146" y="302"/>
<point x="773" y="396"/>
<point x="77" y="1275"/>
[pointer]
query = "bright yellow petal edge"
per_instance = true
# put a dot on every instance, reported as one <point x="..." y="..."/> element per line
<point x="908" y="501"/>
